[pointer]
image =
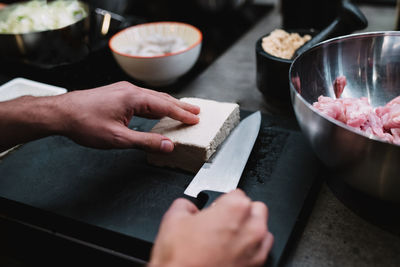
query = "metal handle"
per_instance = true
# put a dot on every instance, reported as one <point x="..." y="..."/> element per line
<point x="350" y="19"/>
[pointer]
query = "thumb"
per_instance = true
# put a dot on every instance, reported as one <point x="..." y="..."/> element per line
<point x="148" y="141"/>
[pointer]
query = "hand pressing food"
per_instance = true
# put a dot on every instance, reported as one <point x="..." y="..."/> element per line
<point x="231" y="232"/>
<point x="195" y="144"/>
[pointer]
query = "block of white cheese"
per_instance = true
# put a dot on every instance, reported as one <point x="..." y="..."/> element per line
<point x="194" y="144"/>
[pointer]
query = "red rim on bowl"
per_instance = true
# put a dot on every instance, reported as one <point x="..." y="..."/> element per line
<point x="200" y="38"/>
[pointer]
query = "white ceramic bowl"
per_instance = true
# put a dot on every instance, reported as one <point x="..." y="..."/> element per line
<point x="159" y="69"/>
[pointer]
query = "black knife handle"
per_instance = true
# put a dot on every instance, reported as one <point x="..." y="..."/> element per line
<point x="211" y="197"/>
<point x="204" y="199"/>
<point x="198" y="201"/>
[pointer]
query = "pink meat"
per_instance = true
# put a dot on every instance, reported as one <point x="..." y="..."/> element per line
<point x="357" y="111"/>
<point x="338" y="85"/>
<point x="390" y="114"/>
<point x="382" y="122"/>
<point x="352" y="111"/>
<point x="396" y="135"/>
<point x="330" y="107"/>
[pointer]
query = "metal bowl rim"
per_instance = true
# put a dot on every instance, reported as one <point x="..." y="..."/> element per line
<point x="328" y="118"/>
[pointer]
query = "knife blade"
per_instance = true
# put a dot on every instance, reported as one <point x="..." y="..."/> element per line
<point x="223" y="173"/>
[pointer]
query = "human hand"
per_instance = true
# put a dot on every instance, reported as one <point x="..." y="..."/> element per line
<point x="99" y="117"/>
<point x="233" y="232"/>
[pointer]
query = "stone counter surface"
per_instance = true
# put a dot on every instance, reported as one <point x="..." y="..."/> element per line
<point x="334" y="235"/>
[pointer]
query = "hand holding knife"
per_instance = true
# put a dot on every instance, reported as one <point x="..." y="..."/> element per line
<point x="235" y="231"/>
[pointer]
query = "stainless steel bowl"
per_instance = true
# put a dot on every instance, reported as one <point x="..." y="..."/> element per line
<point x="371" y="64"/>
<point x="63" y="46"/>
<point x="48" y="48"/>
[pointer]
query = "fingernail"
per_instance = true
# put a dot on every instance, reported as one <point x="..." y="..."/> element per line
<point x="166" y="146"/>
<point x="197" y="110"/>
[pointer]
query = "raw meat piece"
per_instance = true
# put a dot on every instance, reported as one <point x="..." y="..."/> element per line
<point x="330" y="107"/>
<point x="382" y="122"/>
<point x="390" y="114"/>
<point x="338" y="85"/>
<point x="396" y="135"/>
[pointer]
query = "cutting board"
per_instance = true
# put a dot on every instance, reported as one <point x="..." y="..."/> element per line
<point x="113" y="200"/>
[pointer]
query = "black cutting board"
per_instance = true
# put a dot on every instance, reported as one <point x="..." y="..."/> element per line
<point x="114" y="200"/>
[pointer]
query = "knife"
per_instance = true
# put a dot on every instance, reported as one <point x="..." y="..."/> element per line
<point x="223" y="172"/>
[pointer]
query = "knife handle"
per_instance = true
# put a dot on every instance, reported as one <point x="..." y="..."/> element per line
<point x="204" y="199"/>
<point x="211" y="197"/>
<point x="198" y="201"/>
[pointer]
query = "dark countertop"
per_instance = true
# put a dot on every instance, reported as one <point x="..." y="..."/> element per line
<point x="334" y="235"/>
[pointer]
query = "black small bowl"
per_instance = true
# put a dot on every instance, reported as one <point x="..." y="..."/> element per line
<point x="272" y="76"/>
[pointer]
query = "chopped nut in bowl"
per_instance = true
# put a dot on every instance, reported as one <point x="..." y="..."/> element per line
<point x="274" y="53"/>
<point x="282" y="44"/>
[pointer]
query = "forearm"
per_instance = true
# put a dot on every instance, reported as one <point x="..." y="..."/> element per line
<point x="28" y="118"/>
<point x="96" y="117"/>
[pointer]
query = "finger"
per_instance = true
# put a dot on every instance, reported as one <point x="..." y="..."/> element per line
<point x="180" y="207"/>
<point x="259" y="211"/>
<point x="189" y="107"/>
<point x="155" y="94"/>
<point x="182" y="115"/>
<point x="151" y="106"/>
<point x="237" y="193"/>
<point x="264" y="249"/>
<point x="153" y="142"/>
<point x="226" y="197"/>
<point x="236" y="205"/>
<point x="256" y="224"/>
<point x="186" y="106"/>
<point x="257" y="232"/>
